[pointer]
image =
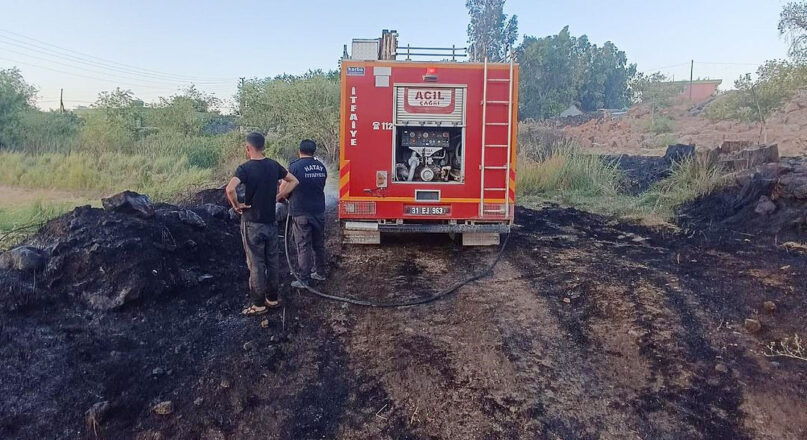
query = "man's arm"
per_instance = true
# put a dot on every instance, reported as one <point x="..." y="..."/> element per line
<point x="232" y="196"/>
<point x="287" y="185"/>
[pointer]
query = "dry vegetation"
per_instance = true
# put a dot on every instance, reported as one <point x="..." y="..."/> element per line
<point x="556" y="169"/>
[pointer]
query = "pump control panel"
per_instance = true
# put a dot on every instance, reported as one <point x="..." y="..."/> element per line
<point x="420" y="138"/>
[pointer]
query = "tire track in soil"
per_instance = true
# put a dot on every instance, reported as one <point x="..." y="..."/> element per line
<point x="427" y="369"/>
<point x="680" y="398"/>
<point x="631" y="355"/>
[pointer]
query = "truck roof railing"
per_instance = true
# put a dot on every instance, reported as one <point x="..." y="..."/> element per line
<point x="453" y="52"/>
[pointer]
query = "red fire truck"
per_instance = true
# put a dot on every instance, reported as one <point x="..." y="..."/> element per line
<point x="425" y="146"/>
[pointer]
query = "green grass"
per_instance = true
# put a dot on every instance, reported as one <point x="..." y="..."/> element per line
<point x="162" y="178"/>
<point x="19" y="220"/>
<point x="569" y="171"/>
<point x="688" y="181"/>
<point x="36" y="212"/>
<point x="586" y="181"/>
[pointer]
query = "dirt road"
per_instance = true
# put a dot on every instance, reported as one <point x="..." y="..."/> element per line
<point x="588" y="329"/>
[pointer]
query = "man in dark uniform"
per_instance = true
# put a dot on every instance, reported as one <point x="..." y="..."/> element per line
<point x="260" y="176"/>
<point x="307" y="208"/>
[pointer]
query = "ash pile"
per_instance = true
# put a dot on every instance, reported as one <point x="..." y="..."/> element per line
<point x="765" y="195"/>
<point x="128" y="251"/>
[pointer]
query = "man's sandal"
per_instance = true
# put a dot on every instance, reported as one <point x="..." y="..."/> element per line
<point x="254" y="310"/>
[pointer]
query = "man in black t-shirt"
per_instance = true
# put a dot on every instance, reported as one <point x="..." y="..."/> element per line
<point x="307" y="208"/>
<point x="260" y="177"/>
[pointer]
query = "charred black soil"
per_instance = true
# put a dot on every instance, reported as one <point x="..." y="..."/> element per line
<point x="640" y="172"/>
<point x="589" y="328"/>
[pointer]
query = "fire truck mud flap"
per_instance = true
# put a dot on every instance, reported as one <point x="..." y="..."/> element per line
<point x="486" y="234"/>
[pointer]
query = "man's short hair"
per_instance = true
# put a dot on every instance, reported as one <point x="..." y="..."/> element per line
<point x="256" y="140"/>
<point x="307" y="146"/>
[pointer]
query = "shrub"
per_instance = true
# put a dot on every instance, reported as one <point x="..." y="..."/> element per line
<point x="48" y="131"/>
<point x="204" y="157"/>
<point x="100" y="135"/>
<point x="291" y="108"/>
<point x="753" y="100"/>
<point x="16" y="96"/>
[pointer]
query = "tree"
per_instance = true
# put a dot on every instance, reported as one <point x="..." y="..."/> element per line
<point x="290" y="108"/>
<point x="121" y="109"/>
<point x="605" y="78"/>
<point x="550" y="74"/>
<point x="185" y="113"/>
<point x="793" y="24"/>
<point x="560" y="70"/>
<point x="490" y="33"/>
<point x="16" y="97"/>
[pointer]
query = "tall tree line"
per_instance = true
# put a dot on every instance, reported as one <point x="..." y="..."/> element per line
<point x="557" y="70"/>
<point x="561" y="70"/>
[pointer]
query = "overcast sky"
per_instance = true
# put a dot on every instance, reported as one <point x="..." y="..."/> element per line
<point x="155" y="47"/>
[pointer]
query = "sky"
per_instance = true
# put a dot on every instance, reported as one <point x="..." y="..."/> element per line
<point x="156" y="47"/>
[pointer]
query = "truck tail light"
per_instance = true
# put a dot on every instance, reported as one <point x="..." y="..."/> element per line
<point x="357" y="208"/>
<point x="431" y="74"/>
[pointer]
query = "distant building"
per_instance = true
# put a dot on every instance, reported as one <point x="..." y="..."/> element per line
<point x="698" y="90"/>
<point x="573" y="110"/>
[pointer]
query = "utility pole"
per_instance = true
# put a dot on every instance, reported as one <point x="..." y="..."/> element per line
<point x="241" y="96"/>
<point x="691" y="77"/>
<point x="61" y="100"/>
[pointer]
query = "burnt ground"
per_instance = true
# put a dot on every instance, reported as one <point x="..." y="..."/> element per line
<point x="589" y="328"/>
<point x="640" y="172"/>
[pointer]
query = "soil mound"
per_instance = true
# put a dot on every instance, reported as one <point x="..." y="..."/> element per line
<point x="631" y="133"/>
<point x="770" y="199"/>
<point x="213" y="196"/>
<point x="107" y="258"/>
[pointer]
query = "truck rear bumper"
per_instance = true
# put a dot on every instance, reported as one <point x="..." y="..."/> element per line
<point x="490" y="228"/>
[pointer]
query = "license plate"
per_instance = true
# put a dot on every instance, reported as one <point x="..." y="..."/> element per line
<point x="427" y="210"/>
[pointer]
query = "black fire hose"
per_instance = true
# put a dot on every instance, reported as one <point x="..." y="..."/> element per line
<point x="407" y="303"/>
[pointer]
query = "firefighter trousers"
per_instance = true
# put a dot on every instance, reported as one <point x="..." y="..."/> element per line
<point x="309" y="236"/>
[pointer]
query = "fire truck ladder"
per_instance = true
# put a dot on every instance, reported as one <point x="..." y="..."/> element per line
<point x="499" y="210"/>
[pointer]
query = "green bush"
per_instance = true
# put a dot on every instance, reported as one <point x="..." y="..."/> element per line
<point x="48" y="131"/>
<point x="777" y="81"/>
<point x="204" y="157"/>
<point x="99" y="135"/>
<point x="16" y="97"/>
<point x="291" y="108"/>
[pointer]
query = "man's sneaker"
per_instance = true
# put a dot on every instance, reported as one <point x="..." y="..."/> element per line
<point x="299" y="284"/>
<point x="316" y="276"/>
